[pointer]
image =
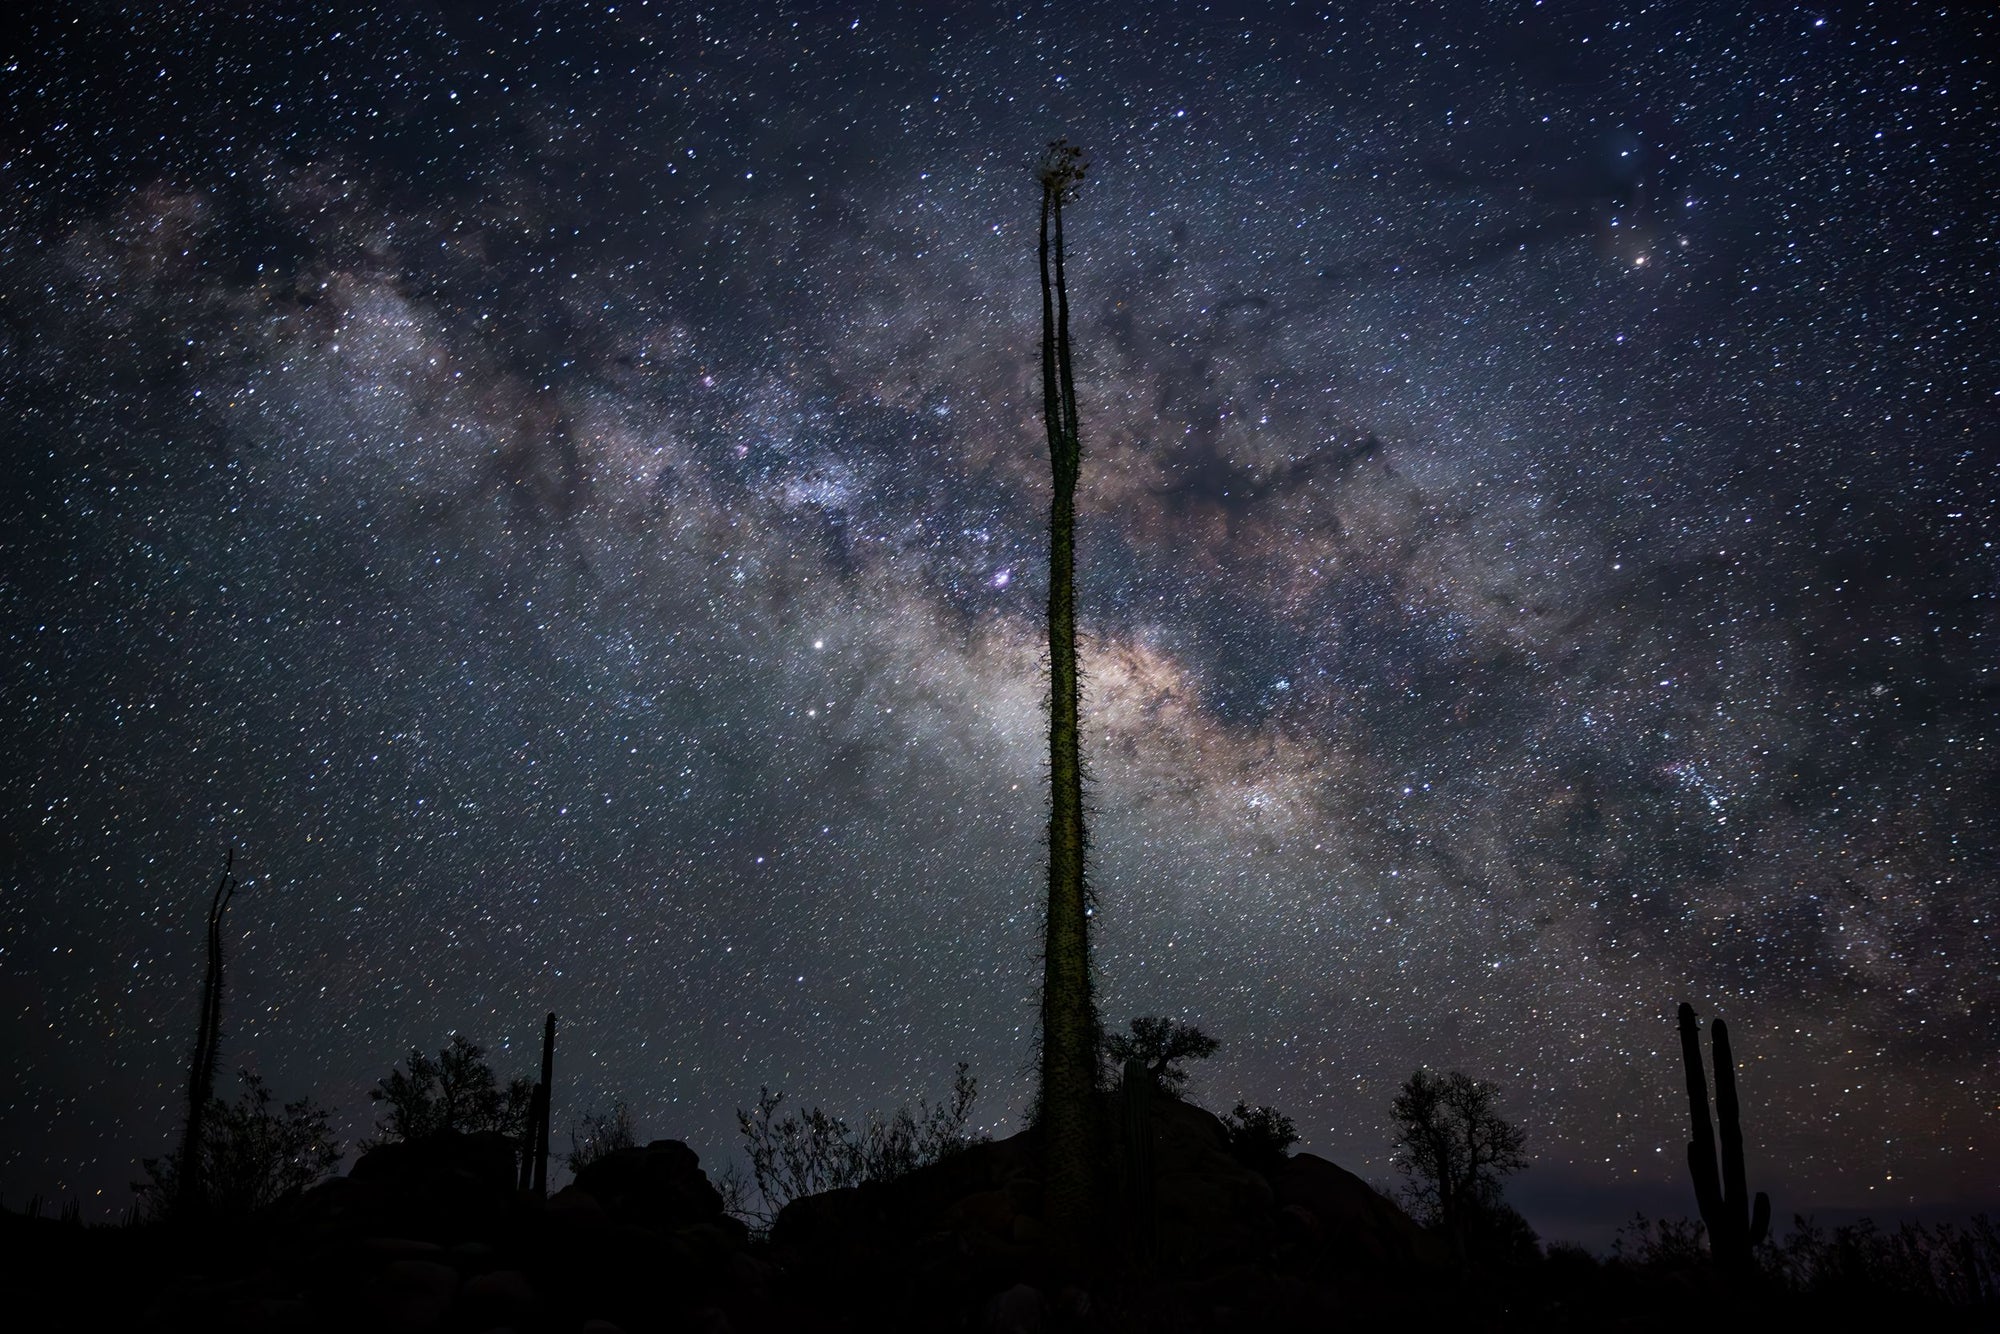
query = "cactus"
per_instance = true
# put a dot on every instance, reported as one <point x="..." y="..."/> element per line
<point x="1068" y="1102"/>
<point x="190" y="1193"/>
<point x="1735" y="1225"/>
<point x="1136" y="1157"/>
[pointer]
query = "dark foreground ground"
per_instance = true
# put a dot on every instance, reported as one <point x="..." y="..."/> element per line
<point x="432" y="1237"/>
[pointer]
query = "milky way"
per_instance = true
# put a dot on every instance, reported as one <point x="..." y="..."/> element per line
<point x="561" y="490"/>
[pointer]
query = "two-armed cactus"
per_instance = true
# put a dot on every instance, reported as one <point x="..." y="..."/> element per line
<point x="1735" y="1224"/>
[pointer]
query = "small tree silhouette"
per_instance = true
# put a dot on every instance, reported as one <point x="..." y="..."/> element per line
<point x="1163" y="1046"/>
<point x="253" y="1154"/>
<point x="1453" y="1147"/>
<point x="1260" y="1137"/>
<point x="454" y="1091"/>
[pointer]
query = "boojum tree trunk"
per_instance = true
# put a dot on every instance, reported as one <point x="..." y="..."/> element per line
<point x="544" y="1094"/>
<point x="1069" y="1022"/>
<point x="191" y="1185"/>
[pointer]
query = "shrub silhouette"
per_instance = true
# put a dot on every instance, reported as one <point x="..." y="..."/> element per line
<point x="810" y="1152"/>
<point x="1914" y="1264"/>
<point x="601" y="1134"/>
<point x="456" y="1090"/>
<point x="253" y="1154"/>
<point x="1260" y="1137"/>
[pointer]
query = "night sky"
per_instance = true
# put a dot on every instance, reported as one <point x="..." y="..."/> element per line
<point x="562" y="489"/>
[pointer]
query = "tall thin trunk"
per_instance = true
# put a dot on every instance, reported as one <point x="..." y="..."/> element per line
<point x="190" y="1189"/>
<point x="1069" y="1021"/>
<point x="544" y="1093"/>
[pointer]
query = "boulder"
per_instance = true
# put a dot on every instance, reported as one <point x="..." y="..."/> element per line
<point x="660" y="1186"/>
<point x="984" y="1219"/>
<point x="955" y="1195"/>
<point x="482" y="1161"/>
<point x="1018" y="1310"/>
<point x="577" y="1208"/>
<point x="1183" y="1133"/>
<point x="962" y="1239"/>
<point x="1210" y="1209"/>
<point x="335" y="1208"/>
<point x="411" y="1295"/>
<point x="850" y="1222"/>
<point x="447" y="1187"/>
<point x="502" y="1297"/>
<point x="1215" y="1213"/>
<point x="1351" y="1224"/>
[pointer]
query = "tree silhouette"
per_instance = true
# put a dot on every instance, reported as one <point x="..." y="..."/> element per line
<point x="1069" y="1019"/>
<point x="1163" y="1046"/>
<point x="189" y="1194"/>
<point x="253" y="1154"/>
<point x="1453" y="1147"/>
<point x="454" y="1091"/>
<point x="1260" y="1136"/>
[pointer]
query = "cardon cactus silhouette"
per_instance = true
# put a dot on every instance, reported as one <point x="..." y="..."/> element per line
<point x="1735" y="1224"/>
<point x="1135" y="1159"/>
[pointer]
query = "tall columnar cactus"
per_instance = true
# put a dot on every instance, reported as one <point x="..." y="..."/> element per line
<point x="1069" y="1107"/>
<point x="190" y="1190"/>
<point x="1135" y="1157"/>
<point x="1735" y="1224"/>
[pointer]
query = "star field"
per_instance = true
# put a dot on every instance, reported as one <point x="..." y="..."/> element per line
<point x="561" y="489"/>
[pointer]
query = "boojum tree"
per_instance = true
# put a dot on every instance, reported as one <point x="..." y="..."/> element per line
<point x="191" y="1191"/>
<point x="1069" y="1054"/>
